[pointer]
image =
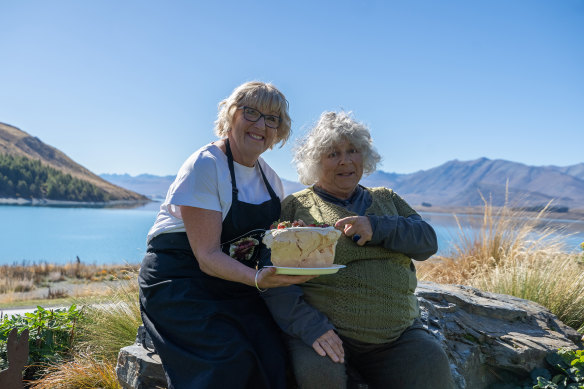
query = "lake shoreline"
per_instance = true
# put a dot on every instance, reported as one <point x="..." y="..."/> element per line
<point x="576" y="214"/>
<point x="572" y="214"/>
<point x="65" y="203"/>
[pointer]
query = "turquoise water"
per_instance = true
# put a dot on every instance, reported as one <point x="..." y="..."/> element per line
<point x="60" y="234"/>
<point x="117" y="236"/>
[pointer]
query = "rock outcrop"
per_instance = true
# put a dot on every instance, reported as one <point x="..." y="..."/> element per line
<point x="489" y="338"/>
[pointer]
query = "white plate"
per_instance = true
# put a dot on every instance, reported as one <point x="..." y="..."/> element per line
<point x="305" y="271"/>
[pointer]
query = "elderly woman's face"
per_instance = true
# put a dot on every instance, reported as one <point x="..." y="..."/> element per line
<point x="341" y="170"/>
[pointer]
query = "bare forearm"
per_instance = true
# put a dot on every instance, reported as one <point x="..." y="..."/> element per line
<point x="218" y="264"/>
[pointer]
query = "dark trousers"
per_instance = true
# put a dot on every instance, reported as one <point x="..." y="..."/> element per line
<point x="414" y="361"/>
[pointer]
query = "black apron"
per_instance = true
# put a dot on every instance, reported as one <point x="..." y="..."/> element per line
<point x="210" y="332"/>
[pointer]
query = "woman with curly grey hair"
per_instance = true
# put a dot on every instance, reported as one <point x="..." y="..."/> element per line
<point x="199" y="282"/>
<point x="362" y="323"/>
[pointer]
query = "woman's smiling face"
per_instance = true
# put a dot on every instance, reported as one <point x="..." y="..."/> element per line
<point x="248" y="140"/>
<point x="341" y="170"/>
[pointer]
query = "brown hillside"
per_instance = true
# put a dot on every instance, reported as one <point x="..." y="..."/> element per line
<point x="16" y="142"/>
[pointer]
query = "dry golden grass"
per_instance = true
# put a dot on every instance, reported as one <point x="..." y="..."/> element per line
<point x="35" y="281"/>
<point x="82" y="371"/>
<point x="512" y="254"/>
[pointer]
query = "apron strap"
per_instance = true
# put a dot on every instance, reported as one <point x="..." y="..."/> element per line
<point x="234" y="190"/>
<point x="268" y="186"/>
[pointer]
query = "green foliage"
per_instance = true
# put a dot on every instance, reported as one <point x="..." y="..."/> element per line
<point x="51" y="333"/>
<point x="567" y="371"/>
<point x="27" y="178"/>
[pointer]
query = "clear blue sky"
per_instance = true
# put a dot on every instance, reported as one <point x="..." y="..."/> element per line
<point x="133" y="86"/>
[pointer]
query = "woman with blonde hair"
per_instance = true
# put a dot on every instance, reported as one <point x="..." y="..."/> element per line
<point x="199" y="281"/>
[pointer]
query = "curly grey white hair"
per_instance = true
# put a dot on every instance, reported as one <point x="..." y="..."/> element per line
<point x="256" y="94"/>
<point x="332" y="128"/>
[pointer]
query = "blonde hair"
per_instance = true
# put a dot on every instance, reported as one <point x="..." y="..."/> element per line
<point x="256" y="94"/>
<point x="333" y="128"/>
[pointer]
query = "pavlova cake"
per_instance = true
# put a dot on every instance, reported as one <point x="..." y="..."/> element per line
<point x="296" y="245"/>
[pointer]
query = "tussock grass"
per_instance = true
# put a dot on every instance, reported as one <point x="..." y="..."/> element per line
<point x="82" y="371"/>
<point x="512" y="254"/>
<point x="111" y="323"/>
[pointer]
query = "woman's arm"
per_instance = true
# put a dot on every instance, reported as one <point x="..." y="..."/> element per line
<point x="410" y="235"/>
<point x="203" y="228"/>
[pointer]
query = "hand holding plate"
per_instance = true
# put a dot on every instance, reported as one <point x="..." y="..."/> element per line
<point x="266" y="277"/>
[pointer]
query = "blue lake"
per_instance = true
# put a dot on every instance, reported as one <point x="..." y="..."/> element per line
<point x="117" y="236"/>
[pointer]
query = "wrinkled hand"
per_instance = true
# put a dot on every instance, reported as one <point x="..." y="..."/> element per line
<point x="267" y="278"/>
<point x="330" y="344"/>
<point x="356" y="225"/>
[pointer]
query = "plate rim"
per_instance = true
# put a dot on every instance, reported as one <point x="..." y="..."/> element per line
<point x="308" y="270"/>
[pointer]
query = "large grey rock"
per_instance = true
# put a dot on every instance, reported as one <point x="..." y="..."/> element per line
<point x="489" y="338"/>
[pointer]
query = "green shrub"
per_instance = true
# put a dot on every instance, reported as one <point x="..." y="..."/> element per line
<point x="567" y="371"/>
<point x="51" y="333"/>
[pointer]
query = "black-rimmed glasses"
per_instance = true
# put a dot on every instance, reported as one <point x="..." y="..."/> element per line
<point x="253" y="115"/>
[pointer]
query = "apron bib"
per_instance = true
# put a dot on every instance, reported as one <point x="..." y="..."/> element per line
<point x="210" y="332"/>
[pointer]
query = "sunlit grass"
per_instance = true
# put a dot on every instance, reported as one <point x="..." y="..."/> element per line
<point x="82" y="371"/>
<point x="26" y="282"/>
<point x="111" y="323"/>
<point x="510" y="253"/>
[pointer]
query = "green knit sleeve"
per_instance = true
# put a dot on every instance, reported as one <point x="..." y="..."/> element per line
<point x="289" y="206"/>
<point x="403" y="208"/>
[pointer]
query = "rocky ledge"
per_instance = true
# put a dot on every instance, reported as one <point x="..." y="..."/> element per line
<point x="489" y="338"/>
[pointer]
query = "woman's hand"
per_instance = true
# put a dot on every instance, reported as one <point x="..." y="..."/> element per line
<point x="330" y="344"/>
<point x="356" y="227"/>
<point x="267" y="278"/>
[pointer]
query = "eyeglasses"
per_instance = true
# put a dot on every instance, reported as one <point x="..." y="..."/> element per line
<point x="253" y="115"/>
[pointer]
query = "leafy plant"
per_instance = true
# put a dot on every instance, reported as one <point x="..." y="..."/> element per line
<point x="567" y="371"/>
<point x="51" y="333"/>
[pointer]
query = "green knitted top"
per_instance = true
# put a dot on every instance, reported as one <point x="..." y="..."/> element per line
<point x="371" y="300"/>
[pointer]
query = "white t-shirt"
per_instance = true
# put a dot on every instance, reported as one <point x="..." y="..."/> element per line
<point x="204" y="181"/>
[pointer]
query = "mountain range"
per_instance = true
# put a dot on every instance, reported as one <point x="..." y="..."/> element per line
<point x="466" y="183"/>
<point x="452" y="184"/>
